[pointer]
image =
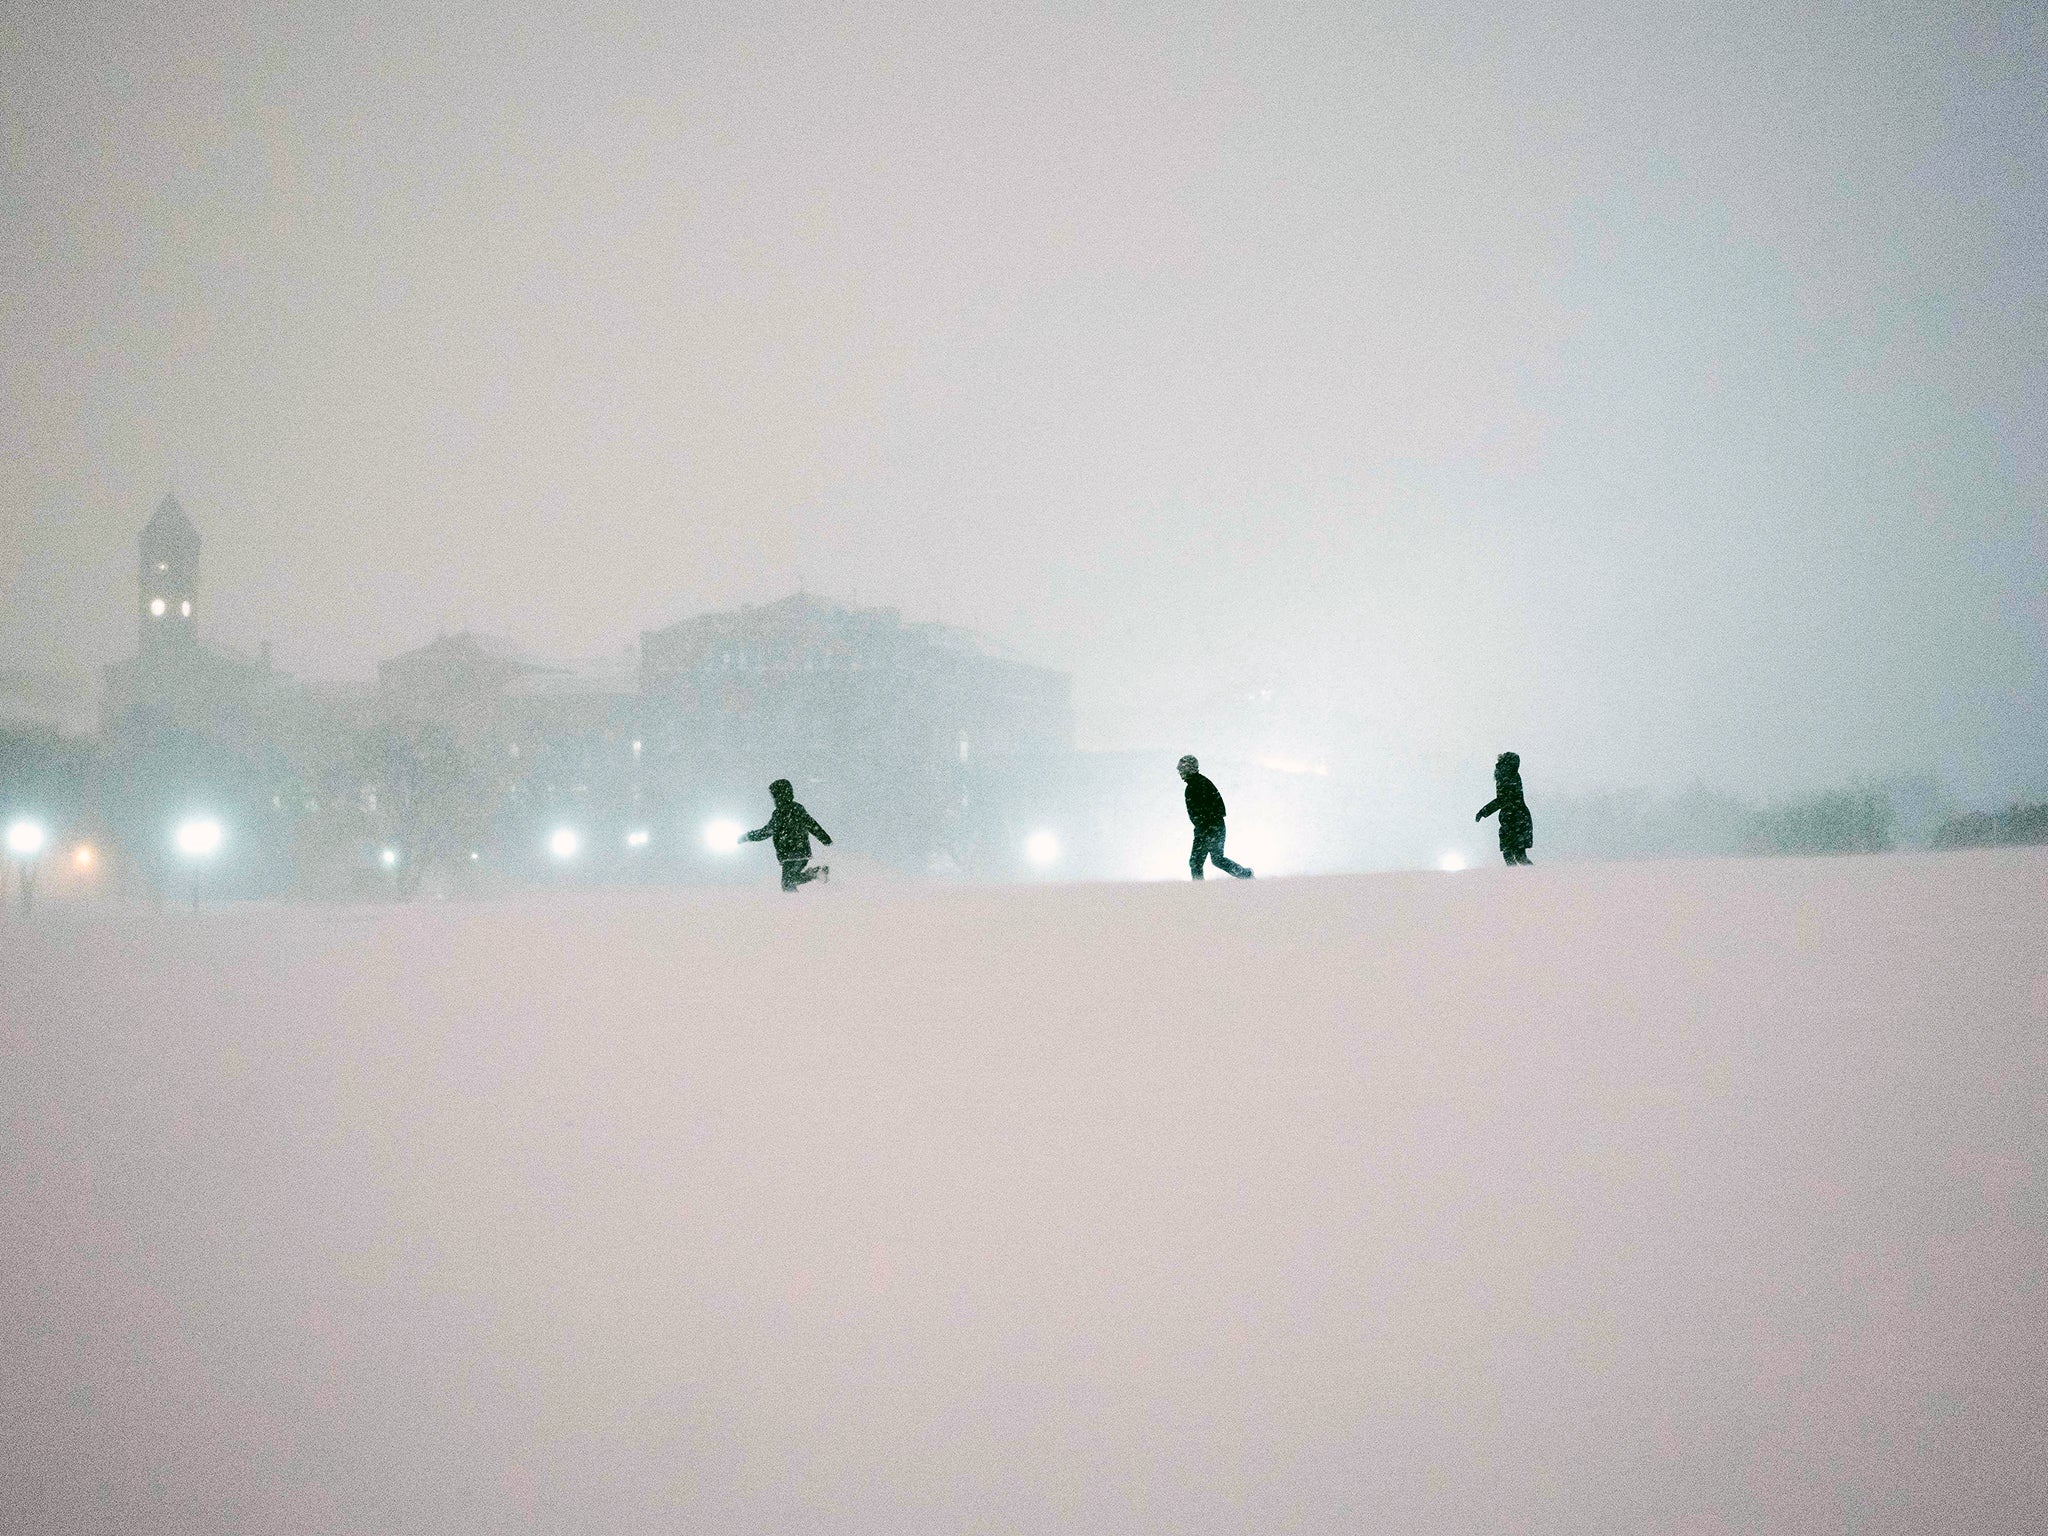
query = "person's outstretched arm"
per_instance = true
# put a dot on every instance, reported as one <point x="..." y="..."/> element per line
<point x="1488" y="809"/>
<point x="817" y="831"/>
<point x="759" y="834"/>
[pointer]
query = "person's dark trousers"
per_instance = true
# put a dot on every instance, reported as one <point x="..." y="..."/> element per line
<point x="1515" y="855"/>
<point x="1209" y="845"/>
<point x="794" y="874"/>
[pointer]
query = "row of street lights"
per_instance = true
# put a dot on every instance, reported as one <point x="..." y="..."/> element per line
<point x="197" y="838"/>
<point x="1041" y="848"/>
<point x="565" y="843"/>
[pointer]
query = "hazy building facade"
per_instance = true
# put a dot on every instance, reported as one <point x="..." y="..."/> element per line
<point x="909" y="734"/>
<point x="918" y="744"/>
<point x="484" y="751"/>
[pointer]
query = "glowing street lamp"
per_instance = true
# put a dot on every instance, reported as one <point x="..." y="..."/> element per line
<point x="198" y="838"/>
<point x="25" y="839"/>
<point x="1042" y="849"/>
<point x="388" y="858"/>
<point x="1451" y="863"/>
<point x="723" y="836"/>
<point x="637" y="838"/>
<point x="564" y="843"/>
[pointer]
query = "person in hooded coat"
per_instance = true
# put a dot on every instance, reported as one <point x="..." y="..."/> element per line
<point x="792" y="828"/>
<point x="1205" y="810"/>
<point x="1517" y="826"/>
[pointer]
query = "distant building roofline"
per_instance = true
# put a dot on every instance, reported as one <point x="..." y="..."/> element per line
<point x="169" y="524"/>
<point x="951" y="636"/>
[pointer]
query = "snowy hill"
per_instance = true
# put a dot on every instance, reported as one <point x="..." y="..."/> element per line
<point x="1611" y="1198"/>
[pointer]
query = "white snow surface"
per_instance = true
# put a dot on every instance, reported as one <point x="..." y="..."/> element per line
<point x="1668" y="1197"/>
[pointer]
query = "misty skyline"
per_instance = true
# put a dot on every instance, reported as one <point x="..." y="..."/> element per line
<point x="1659" y="396"/>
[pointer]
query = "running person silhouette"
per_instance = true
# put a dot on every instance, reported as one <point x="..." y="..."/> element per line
<point x="1205" y="810"/>
<point x="792" y="827"/>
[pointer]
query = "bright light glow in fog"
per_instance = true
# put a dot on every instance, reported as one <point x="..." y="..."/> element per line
<point x="199" y="837"/>
<point x="723" y="836"/>
<point x="637" y="838"/>
<point x="1042" y="849"/>
<point x="25" y="838"/>
<point x="388" y="858"/>
<point x="1295" y="765"/>
<point x="84" y="856"/>
<point x="1451" y="863"/>
<point x="563" y="843"/>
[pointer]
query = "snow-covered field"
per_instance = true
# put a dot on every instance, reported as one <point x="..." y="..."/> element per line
<point x="1677" y="1197"/>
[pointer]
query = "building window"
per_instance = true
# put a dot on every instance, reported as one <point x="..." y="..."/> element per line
<point x="156" y="607"/>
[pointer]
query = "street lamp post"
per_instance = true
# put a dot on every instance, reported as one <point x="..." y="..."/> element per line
<point x="198" y="839"/>
<point x="25" y="839"/>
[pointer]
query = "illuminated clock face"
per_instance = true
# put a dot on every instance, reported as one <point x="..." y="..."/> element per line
<point x="156" y="607"/>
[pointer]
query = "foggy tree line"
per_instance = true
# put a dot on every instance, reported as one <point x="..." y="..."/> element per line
<point x="1700" y="822"/>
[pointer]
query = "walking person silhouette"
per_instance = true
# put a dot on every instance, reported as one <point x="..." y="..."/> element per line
<point x="1517" y="827"/>
<point x="1205" y="810"/>
<point x="792" y="827"/>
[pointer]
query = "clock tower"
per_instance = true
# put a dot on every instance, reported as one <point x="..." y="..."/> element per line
<point x="168" y="592"/>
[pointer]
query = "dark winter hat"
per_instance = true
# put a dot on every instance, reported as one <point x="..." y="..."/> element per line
<point x="1189" y="765"/>
<point x="781" y="789"/>
<point x="1507" y="762"/>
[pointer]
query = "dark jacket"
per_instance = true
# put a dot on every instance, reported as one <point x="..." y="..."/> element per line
<point x="1205" y="805"/>
<point x="792" y="829"/>
<point x="1517" y="826"/>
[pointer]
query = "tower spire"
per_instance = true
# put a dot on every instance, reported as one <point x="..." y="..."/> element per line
<point x="167" y="590"/>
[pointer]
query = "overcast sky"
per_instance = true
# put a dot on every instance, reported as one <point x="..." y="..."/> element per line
<point x="1655" y="389"/>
